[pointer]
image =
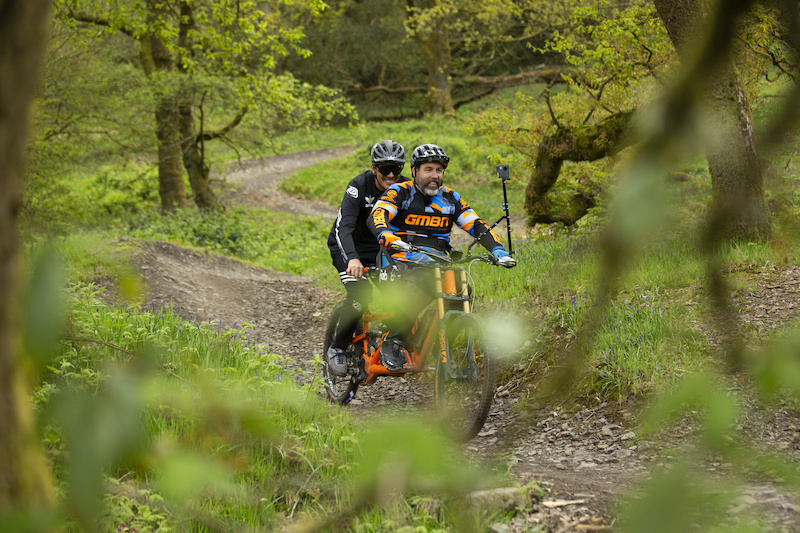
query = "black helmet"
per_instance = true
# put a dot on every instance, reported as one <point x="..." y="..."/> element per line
<point x="429" y="153"/>
<point x="388" y="152"/>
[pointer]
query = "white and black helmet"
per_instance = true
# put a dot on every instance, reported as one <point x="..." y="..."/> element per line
<point x="388" y="152"/>
<point x="429" y="153"/>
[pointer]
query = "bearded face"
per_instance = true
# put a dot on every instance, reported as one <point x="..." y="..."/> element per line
<point x="428" y="178"/>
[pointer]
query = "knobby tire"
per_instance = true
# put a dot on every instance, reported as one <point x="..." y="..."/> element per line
<point x="465" y="384"/>
<point x="338" y="389"/>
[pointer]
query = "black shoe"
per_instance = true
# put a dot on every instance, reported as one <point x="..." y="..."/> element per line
<point x="393" y="354"/>
<point x="337" y="361"/>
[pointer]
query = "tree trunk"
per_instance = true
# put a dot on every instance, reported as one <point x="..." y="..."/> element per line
<point x="194" y="160"/>
<point x="588" y="143"/>
<point x="436" y="49"/>
<point x="157" y="57"/>
<point x="192" y="146"/>
<point x="435" y="46"/>
<point x="739" y="209"/>
<point x="24" y="478"/>
<point x="171" y="188"/>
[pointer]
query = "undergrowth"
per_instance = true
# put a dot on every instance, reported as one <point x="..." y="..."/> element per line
<point x="182" y="426"/>
<point x="152" y="422"/>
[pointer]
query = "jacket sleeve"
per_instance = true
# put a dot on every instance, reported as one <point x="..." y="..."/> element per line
<point x="468" y="220"/>
<point x="346" y="223"/>
<point x="384" y="211"/>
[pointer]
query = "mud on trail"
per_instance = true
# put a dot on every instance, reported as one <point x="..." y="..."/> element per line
<point x="587" y="456"/>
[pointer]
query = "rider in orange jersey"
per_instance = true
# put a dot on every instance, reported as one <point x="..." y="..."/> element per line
<point x="422" y="213"/>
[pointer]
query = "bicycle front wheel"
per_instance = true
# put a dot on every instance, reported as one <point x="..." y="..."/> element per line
<point x="338" y="389"/>
<point x="465" y="381"/>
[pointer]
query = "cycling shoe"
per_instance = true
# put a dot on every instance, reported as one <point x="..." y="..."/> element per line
<point x="393" y="354"/>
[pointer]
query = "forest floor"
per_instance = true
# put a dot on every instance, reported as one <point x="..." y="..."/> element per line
<point x="587" y="457"/>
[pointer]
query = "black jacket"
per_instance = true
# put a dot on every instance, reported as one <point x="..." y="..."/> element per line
<point x="350" y="237"/>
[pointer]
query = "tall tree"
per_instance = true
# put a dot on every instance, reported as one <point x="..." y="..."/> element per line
<point x="739" y="206"/>
<point x="159" y="61"/>
<point x="24" y="480"/>
<point x="209" y="63"/>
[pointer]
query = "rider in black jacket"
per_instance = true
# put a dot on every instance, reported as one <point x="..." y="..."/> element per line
<point x="353" y="246"/>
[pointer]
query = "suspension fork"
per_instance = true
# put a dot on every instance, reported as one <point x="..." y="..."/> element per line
<point x="446" y="287"/>
<point x="440" y="312"/>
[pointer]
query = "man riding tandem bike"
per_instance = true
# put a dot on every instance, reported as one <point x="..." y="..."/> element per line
<point x="412" y="221"/>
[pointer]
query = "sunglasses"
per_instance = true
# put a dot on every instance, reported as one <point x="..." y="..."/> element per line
<point x="390" y="169"/>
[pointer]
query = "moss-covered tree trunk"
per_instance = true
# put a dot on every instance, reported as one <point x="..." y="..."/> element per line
<point x="24" y="478"/>
<point x="194" y="161"/>
<point x="435" y="45"/>
<point x="739" y="207"/>
<point x="171" y="188"/>
<point x="192" y="147"/>
<point x="156" y="57"/>
<point x="588" y="143"/>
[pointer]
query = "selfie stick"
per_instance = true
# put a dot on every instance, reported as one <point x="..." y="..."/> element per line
<point x="503" y="174"/>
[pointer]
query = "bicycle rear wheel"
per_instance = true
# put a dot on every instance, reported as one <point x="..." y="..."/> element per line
<point x="339" y="389"/>
<point x="465" y="381"/>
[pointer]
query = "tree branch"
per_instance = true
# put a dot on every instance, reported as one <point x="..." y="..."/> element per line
<point x="545" y="75"/>
<point x="553" y="118"/>
<point x="216" y="134"/>
<point x="91" y="18"/>
<point x="474" y="98"/>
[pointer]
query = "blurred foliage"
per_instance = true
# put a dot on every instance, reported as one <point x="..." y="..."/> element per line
<point x="156" y="422"/>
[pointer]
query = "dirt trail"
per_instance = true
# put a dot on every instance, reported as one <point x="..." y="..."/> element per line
<point x="586" y="455"/>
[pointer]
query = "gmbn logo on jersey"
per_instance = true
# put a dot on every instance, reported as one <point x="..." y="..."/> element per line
<point x="427" y="221"/>
<point x="352" y="191"/>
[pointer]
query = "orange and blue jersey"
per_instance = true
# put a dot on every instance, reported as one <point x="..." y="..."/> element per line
<point x="426" y="220"/>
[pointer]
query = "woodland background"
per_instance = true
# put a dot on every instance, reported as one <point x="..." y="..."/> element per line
<point x="653" y="146"/>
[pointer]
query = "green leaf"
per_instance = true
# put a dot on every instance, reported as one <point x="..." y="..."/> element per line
<point x="43" y="308"/>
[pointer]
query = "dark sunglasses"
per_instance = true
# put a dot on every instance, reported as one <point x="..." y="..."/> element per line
<point x="390" y="169"/>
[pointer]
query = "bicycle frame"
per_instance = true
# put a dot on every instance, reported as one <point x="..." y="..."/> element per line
<point x="451" y="285"/>
<point x="447" y="339"/>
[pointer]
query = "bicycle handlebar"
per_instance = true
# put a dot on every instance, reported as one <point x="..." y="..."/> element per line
<point x="455" y="257"/>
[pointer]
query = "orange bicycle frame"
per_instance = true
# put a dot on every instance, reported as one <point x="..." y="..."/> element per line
<point x="450" y="284"/>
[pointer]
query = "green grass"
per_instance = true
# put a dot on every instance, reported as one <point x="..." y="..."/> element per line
<point x="181" y="425"/>
<point x="275" y="240"/>
<point x="471" y="170"/>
